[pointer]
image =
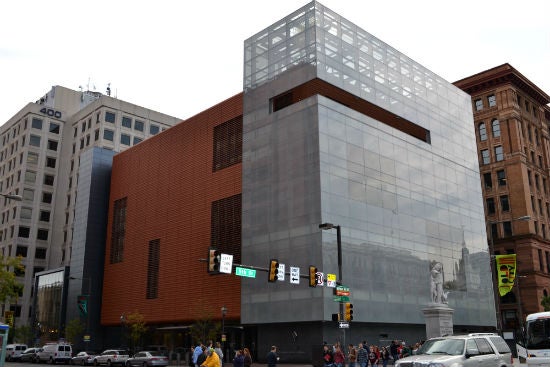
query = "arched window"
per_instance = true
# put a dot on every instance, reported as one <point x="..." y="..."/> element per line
<point x="545" y="293"/>
<point x="496" y="128"/>
<point x="482" y="132"/>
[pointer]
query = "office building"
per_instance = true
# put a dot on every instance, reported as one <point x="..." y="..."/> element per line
<point x="511" y="117"/>
<point x="43" y="151"/>
<point x="336" y="127"/>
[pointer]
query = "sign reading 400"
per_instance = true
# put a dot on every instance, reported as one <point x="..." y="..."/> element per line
<point x="51" y="113"/>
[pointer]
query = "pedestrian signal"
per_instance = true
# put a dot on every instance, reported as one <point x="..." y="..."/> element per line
<point x="312" y="276"/>
<point x="213" y="261"/>
<point x="348" y="312"/>
<point x="273" y="270"/>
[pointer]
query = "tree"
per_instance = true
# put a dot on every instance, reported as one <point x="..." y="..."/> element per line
<point x="137" y="327"/>
<point x="24" y="334"/>
<point x="9" y="286"/>
<point x="545" y="303"/>
<point x="204" y="329"/>
<point x="74" y="328"/>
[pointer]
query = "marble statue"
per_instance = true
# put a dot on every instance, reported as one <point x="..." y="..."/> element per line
<point x="437" y="283"/>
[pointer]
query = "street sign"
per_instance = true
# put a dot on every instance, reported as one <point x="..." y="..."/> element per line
<point x="87" y="338"/>
<point x="342" y="291"/>
<point x="343" y="325"/>
<point x="245" y="272"/>
<point x="340" y="299"/>
<point x="294" y="275"/>
<point x="331" y="280"/>
<point x="281" y="273"/>
<point x="226" y="263"/>
<point x="320" y="277"/>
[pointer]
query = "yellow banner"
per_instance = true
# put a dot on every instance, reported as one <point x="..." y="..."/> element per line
<point x="8" y="317"/>
<point x="506" y="272"/>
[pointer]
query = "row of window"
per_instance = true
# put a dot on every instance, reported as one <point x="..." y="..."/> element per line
<point x="491" y="102"/>
<point x="25" y="232"/>
<point x="39" y="252"/>
<point x="127" y="122"/>
<point x="482" y="129"/>
<point x="53" y="127"/>
<point x="486" y="156"/>
<point x="504" y="204"/>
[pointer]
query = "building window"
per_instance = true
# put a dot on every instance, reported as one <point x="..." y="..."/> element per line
<point x="21" y="251"/>
<point x="533" y="203"/>
<point x="110" y="117"/>
<point x="501" y="177"/>
<point x="42" y="234"/>
<point x="137" y="140"/>
<point x="153" y="129"/>
<point x="541" y="261"/>
<point x="485" y="158"/>
<point x="28" y="194"/>
<point x="34" y="141"/>
<point x="126" y="122"/>
<point x="482" y="132"/>
<point x="52" y="145"/>
<point x="32" y="158"/>
<point x="499" y="154"/>
<point x="529" y="179"/>
<point x="479" y="104"/>
<point x="40" y="253"/>
<point x="504" y="203"/>
<point x="488" y="180"/>
<point x="541" y="211"/>
<point x="48" y="180"/>
<point x="30" y="177"/>
<point x="108" y="135"/>
<point x="24" y="232"/>
<point x="118" y="231"/>
<point x="507" y="227"/>
<point x="47" y="197"/>
<point x="50" y="162"/>
<point x="83" y="126"/>
<point x="36" y="123"/>
<point x="496" y="128"/>
<point x="494" y="232"/>
<point x="225" y="226"/>
<point x="227" y="144"/>
<point x="139" y="125"/>
<point x="490" y="206"/>
<point x="153" y="263"/>
<point x="54" y="128"/>
<point x="44" y="216"/>
<point x="492" y="100"/>
<point x="543" y="230"/>
<point x="125" y="139"/>
<point x="25" y="213"/>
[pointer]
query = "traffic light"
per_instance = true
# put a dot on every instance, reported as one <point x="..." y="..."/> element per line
<point x="273" y="270"/>
<point x="213" y="261"/>
<point x="312" y="276"/>
<point x="348" y="312"/>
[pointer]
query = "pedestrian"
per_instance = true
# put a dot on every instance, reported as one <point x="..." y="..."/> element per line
<point x="272" y="357"/>
<point x="247" y="358"/>
<point x="202" y="356"/>
<point x="218" y="350"/>
<point x="393" y="351"/>
<point x="405" y="351"/>
<point x="196" y="353"/>
<point x="372" y="357"/>
<point x="328" y="356"/>
<point x="384" y="356"/>
<point x="352" y="355"/>
<point x="212" y="359"/>
<point x="362" y="356"/>
<point x="339" y="357"/>
<point x="238" y="361"/>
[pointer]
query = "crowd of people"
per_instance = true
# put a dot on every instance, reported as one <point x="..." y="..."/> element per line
<point x="364" y="355"/>
<point x="211" y="355"/>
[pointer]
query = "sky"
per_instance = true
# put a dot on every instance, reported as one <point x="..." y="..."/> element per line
<point x="182" y="57"/>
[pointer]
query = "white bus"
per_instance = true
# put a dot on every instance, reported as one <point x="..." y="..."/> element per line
<point x="534" y="344"/>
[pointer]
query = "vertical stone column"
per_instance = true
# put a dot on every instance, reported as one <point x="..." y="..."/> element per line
<point x="439" y="320"/>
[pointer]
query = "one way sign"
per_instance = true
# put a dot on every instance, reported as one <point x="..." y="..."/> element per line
<point x="294" y="275"/>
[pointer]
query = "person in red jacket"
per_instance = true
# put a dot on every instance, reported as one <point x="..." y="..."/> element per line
<point x="339" y="357"/>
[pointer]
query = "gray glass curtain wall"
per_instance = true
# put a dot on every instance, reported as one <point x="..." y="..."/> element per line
<point x="402" y="203"/>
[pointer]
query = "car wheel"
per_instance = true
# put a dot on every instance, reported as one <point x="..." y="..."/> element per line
<point x="108" y="363"/>
<point x="95" y="362"/>
<point x="83" y="362"/>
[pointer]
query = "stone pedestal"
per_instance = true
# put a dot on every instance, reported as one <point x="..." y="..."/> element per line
<point x="439" y="320"/>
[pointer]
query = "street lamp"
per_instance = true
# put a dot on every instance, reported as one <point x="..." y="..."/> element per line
<point x="12" y="197"/>
<point x="224" y="312"/>
<point x="524" y="218"/>
<point x="326" y="227"/>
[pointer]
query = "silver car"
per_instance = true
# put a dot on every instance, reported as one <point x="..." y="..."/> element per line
<point x="147" y="359"/>
<point x="472" y="350"/>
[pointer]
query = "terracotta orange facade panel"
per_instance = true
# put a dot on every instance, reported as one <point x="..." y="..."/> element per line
<point x="170" y="186"/>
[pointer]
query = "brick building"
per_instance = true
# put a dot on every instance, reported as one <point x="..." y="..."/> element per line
<point x="511" y="117"/>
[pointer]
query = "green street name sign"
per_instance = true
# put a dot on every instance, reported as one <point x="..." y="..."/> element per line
<point x="244" y="272"/>
<point x="341" y="299"/>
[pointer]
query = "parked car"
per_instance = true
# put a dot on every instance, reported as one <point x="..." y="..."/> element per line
<point x="147" y="358"/>
<point x="13" y="351"/>
<point x="111" y="357"/>
<point x="83" y="358"/>
<point x="472" y="350"/>
<point x="29" y="355"/>
<point x="55" y="353"/>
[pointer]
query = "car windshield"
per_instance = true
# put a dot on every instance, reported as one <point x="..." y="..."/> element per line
<point x="156" y="354"/>
<point x="453" y="347"/>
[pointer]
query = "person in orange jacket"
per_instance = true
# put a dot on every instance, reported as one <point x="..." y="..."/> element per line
<point x="212" y="359"/>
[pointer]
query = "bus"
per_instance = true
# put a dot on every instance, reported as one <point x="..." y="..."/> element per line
<point x="534" y="345"/>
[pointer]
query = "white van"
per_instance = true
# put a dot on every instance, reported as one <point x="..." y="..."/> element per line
<point x="13" y="351"/>
<point x="55" y="352"/>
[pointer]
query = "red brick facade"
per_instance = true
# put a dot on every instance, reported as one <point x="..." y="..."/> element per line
<point x="169" y="186"/>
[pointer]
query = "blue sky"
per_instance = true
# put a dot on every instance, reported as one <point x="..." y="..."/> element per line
<point x="181" y="57"/>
